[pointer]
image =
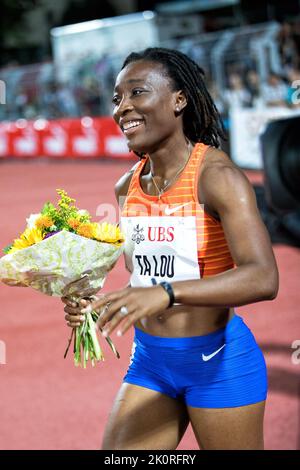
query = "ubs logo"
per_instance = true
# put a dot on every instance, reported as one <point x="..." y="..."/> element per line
<point x="138" y="236"/>
<point x="161" y="234"/>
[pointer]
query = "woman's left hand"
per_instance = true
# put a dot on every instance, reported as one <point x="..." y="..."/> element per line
<point x="139" y="302"/>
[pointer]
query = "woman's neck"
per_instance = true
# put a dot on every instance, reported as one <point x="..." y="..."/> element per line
<point x="169" y="158"/>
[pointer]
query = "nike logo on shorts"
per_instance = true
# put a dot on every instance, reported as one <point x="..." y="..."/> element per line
<point x="171" y="210"/>
<point x="207" y="358"/>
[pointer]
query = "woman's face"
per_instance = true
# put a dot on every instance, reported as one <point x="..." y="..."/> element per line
<point x="145" y="106"/>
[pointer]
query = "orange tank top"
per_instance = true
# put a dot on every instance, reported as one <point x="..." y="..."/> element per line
<point x="172" y="238"/>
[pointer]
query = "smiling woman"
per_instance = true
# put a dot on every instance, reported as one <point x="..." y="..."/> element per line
<point x="196" y="248"/>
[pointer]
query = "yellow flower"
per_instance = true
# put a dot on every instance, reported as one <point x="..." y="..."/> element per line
<point x="73" y="223"/>
<point x="86" y="230"/>
<point x="65" y="200"/>
<point x="105" y="232"/>
<point x="29" y="237"/>
<point x="109" y="233"/>
<point x="44" y="221"/>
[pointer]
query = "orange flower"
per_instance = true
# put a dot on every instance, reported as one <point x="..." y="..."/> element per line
<point x="44" y="221"/>
<point x="74" y="223"/>
<point x="86" y="230"/>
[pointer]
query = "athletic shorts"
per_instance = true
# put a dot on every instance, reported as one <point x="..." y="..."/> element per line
<point x="223" y="369"/>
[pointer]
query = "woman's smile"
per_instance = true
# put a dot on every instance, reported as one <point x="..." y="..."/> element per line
<point x="131" y="127"/>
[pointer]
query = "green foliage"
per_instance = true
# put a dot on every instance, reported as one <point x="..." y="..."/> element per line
<point x="65" y="211"/>
<point x="7" y="248"/>
<point x="50" y="210"/>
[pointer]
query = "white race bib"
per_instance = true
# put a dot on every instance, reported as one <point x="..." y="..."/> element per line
<point x="160" y="249"/>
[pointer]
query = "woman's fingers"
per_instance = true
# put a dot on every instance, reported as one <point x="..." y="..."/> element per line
<point x="73" y="311"/>
<point x="73" y="325"/>
<point x="68" y="301"/>
<point x="99" y="304"/>
<point x="109" y="308"/>
<point x="72" y="307"/>
<point x="110" y="326"/>
<point x="112" y="313"/>
<point x="74" y="320"/>
<point x="127" y="324"/>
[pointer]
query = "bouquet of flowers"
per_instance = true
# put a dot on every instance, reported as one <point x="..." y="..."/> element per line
<point x="62" y="253"/>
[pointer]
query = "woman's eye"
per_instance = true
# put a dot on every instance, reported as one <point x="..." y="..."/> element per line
<point x="117" y="99"/>
<point x="137" y="92"/>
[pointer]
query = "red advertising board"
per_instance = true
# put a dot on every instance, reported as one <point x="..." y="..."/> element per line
<point x="86" y="137"/>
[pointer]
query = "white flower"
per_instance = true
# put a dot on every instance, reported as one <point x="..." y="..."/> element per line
<point x="82" y="212"/>
<point x="32" y="219"/>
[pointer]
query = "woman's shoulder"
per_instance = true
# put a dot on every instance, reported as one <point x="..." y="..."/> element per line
<point x="221" y="179"/>
<point x="217" y="166"/>
<point x="215" y="157"/>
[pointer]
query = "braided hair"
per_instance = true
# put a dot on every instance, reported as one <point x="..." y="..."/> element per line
<point x="201" y="119"/>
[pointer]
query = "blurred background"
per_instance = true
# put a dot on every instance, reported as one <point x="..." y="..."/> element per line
<point x="58" y="63"/>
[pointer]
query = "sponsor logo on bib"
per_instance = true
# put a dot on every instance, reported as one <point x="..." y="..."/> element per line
<point x="138" y="236"/>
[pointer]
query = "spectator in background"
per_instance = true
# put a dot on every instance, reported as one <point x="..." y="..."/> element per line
<point x="275" y="91"/>
<point x="67" y="102"/>
<point x="105" y="73"/>
<point x="217" y="97"/>
<point x="51" y="106"/>
<point x="21" y="101"/>
<point x="219" y="103"/>
<point x="254" y="87"/>
<point x="287" y="46"/>
<point x="296" y="36"/>
<point x="91" y="97"/>
<point x="237" y="95"/>
<point x="26" y="104"/>
<point x="195" y="51"/>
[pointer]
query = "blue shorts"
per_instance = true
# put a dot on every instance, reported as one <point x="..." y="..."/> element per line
<point x="219" y="370"/>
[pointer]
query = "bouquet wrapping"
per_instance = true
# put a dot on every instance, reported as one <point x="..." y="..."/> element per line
<point x="53" y="265"/>
<point x="62" y="253"/>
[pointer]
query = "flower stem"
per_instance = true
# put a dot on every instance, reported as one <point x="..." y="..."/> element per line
<point x="69" y="343"/>
<point x="86" y="345"/>
<point x="95" y="342"/>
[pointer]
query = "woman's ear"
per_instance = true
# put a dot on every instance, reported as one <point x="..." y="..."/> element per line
<point x="180" y="102"/>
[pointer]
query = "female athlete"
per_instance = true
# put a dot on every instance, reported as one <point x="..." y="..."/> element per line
<point x="196" y="248"/>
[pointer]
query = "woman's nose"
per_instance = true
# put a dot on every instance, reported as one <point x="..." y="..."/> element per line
<point x="124" y="106"/>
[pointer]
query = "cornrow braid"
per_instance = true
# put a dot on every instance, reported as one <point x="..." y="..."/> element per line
<point x="201" y="119"/>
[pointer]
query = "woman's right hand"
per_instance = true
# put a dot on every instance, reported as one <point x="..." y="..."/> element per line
<point x="73" y="315"/>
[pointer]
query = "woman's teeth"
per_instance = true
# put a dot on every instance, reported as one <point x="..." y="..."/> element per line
<point x="131" y="124"/>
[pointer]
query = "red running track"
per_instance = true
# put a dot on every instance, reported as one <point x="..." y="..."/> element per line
<point x="47" y="403"/>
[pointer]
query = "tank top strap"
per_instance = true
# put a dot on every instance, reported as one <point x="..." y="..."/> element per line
<point x="194" y="166"/>
<point x="196" y="158"/>
<point x="187" y="183"/>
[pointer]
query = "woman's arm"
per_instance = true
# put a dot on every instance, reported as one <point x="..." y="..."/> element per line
<point x="228" y="193"/>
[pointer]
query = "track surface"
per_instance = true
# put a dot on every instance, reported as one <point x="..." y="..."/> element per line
<point x="47" y="403"/>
